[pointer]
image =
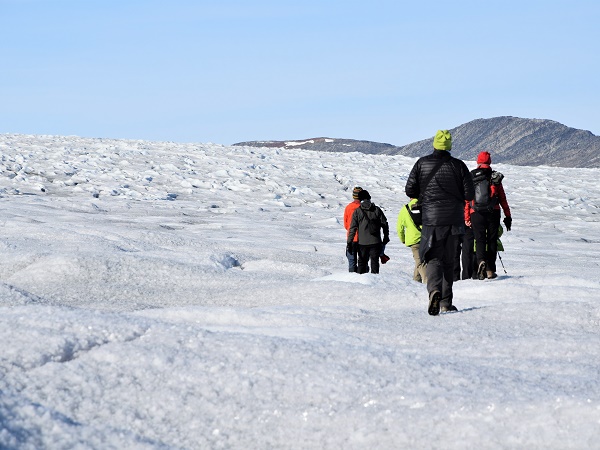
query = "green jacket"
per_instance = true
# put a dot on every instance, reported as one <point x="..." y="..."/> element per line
<point x="408" y="232"/>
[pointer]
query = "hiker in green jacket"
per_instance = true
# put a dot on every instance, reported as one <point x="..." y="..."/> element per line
<point x="410" y="235"/>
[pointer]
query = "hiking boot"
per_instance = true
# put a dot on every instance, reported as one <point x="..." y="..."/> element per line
<point x="491" y="274"/>
<point x="448" y="308"/>
<point x="384" y="259"/>
<point x="481" y="271"/>
<point x="434" y="303"/>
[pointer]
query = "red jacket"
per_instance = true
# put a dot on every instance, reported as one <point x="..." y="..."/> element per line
<point x="497" y="190"/>
<point x="348" y="216"/>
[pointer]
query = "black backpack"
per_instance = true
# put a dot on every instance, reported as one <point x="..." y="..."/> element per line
<point x="483" y="202"/>
<point x="373" y="225"/>
<point x="414" y="212"/>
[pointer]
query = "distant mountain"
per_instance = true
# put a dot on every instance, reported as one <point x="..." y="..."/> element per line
<point x="513" y="140"/>
<point x="327" y="145"/>
<point x="510" y="140"/>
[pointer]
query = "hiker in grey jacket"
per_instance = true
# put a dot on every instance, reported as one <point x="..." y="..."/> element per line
<point x="442" y="184"/>
<point x="368" y="220"/>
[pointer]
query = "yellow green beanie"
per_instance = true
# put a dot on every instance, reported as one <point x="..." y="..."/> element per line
<point x="442" y="140"/>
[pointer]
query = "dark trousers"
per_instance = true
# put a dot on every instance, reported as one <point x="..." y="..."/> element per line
<point x="457" y="253"/>
<point x="440" y="267"/>
<point x="366" y="253"/>
<point x="465" y="256"/>
<point x="485" y="228"/>
<point x="468" y="254"/>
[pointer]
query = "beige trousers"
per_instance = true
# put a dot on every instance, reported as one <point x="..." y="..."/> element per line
<point x="419" y="273"/>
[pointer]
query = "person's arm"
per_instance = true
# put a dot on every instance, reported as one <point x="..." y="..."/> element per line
<point x="385" y="227"/>
<point x="505" y="207"/>
<point x="503" y="201"/>
<point x="467" y="213"/>
<point x="353" y="227"/>
<point x="468" y="188"/>
<point x="400" y="226"/>
<point x="413" y="189"/>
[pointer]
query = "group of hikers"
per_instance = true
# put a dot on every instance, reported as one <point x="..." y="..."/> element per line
<point x="452" y="212"/>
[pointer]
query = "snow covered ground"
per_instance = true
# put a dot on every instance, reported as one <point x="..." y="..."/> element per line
<point x="161" y="295"/>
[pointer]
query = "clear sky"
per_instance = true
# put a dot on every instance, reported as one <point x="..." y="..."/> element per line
<point x="225" y="71"/>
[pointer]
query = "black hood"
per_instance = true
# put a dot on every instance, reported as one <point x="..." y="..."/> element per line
<point x="367" y="205"/>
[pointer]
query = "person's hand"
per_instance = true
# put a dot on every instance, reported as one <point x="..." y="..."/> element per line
<point x="349" y="247"/>
<point x="508" y="222"/>
<point x="468" y="223"/>
<point x="386" y="239"/>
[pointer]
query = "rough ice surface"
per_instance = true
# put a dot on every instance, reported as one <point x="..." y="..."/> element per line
<point x="161" y="295"/>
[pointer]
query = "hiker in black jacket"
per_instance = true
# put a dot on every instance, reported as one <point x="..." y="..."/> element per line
<point x="368" y="220"/>
<point x="442" y="184"/>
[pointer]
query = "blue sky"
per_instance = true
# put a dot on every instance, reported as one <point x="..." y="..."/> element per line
<point x="225" y="71"/>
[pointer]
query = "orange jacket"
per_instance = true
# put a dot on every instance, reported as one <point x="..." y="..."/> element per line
<point x="348" y="216"/>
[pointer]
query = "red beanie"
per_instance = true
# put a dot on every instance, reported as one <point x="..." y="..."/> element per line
<point x="484" y="158"/>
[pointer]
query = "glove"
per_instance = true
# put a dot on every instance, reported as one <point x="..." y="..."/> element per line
<point x="508" y="222"/>
<point x="349" y="248"/>
<point x="386" y="239"/>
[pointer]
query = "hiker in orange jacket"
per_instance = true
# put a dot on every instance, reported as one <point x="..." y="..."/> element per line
<point x="350" y="208"/>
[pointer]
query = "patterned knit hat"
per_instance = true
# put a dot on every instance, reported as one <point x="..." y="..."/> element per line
<point x="355" y="192"/>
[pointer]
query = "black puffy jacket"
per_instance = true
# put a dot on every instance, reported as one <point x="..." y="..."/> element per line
<point x="444" y="197"/>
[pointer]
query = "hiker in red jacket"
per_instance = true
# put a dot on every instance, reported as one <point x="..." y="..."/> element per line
<point x="483" y="214"/>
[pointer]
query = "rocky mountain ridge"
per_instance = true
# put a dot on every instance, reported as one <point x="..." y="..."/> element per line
<point x="324" y="144"/>
<point x="510" y="140"/>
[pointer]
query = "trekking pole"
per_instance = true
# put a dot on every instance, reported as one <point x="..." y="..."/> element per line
<point x="501" y="262"/>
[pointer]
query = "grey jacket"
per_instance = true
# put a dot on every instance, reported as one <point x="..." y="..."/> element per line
<point x="360" y="224"/>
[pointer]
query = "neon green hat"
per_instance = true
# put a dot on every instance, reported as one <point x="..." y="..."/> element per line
<point x="442" y="140"/>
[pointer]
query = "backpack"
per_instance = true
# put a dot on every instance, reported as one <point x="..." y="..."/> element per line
<point x="414" y="212"/>
<point x="373" y="225"/>
<point x="483" y="201"/>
